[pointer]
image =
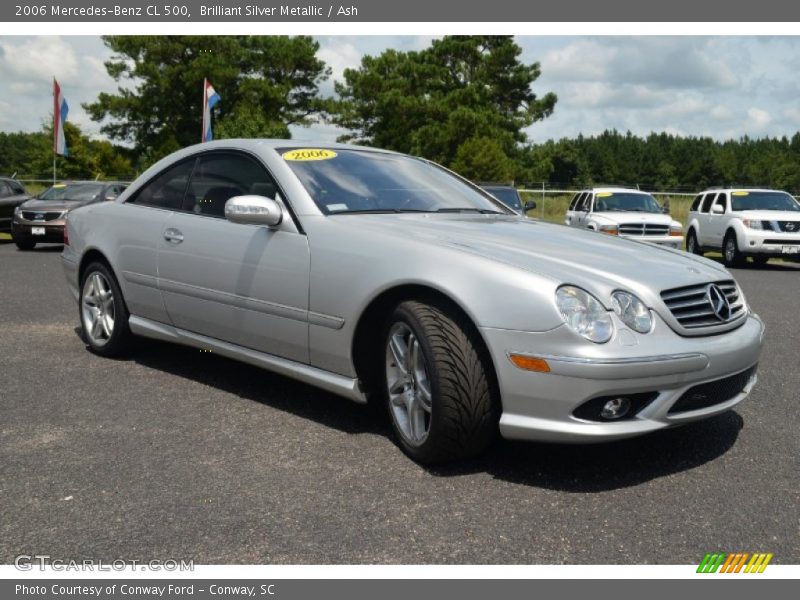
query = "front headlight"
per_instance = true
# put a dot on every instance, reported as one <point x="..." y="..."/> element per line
<point x="753" y="223"/>
<point x="609" y="229"/>
<point x="584" y="314"/>
<point x="632" y="311"/>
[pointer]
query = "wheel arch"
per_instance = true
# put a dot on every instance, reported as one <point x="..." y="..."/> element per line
<point x="371" y="320"/>
<point x="94" y="255"/>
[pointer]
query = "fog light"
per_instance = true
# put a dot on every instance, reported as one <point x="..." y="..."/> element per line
<point x="616" y="408"/>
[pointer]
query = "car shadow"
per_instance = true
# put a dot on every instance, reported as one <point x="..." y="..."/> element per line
<point x="47" y="248"/>
<point x="772" y="265"/>
<point x="259" y="385"/>
<point x="607" y="466"/>
<point x="562" y="467"/>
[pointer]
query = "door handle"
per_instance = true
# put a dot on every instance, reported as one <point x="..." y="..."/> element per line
<point x="173" y="236"/>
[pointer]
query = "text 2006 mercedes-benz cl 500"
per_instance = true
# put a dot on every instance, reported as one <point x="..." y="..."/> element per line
<point x="373" y="274"/>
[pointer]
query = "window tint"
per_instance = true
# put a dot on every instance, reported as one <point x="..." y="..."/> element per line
<point x="221" y="176"/>
<point x="696" y="203"/>
<point x="574" y="201"/>
<point x="707" y="203"/>
<point x="167" y="189"/>
<point x="721" y="200"/>
<point x="16" y="187"/>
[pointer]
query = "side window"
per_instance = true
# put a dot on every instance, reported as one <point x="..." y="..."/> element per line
<point x="16" y="187"/>
<point x="588" y="202"/>
<point x="696" y="203"/>
<point x="5" y="190"/>
<point x="722" y="200"/>
<point x="220" y="176"/>
<point x="574" y="201"/>
<point x="167" y="189"/>
<point x="579" y="202"/>
<point x="704" y="208"/>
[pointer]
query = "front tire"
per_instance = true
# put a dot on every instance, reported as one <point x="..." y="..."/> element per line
<point x="730" y="251"/>
<point x="103" y="314"/>
<point x="438" y="383"/>
<point x="692" y="247"/>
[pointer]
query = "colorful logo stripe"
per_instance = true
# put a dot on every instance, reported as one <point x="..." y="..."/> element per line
<point x="734" y="562"/>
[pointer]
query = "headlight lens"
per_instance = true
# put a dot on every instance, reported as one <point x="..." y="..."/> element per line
<point x="632" y="311"/>
<point x="610" y="229"/>
<point x="676" y="230"/>
<point x="584" y="314"/>
<point x="753" y="223"/>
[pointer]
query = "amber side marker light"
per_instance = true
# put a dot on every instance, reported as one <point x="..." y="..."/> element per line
<point x="530" y="363"/>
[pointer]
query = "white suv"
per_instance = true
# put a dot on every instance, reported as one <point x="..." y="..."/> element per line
<point x="624" y="212"/>
<point x="744" y="222"/>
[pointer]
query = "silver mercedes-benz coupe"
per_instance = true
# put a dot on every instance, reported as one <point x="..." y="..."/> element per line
<point x="377" y="275"/>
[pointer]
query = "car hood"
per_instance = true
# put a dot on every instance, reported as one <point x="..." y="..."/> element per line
<point x="769" y="215"/>
<point x="560" y="253"/>
<point x="50" y="205"/>
<point x="634" y="217"/>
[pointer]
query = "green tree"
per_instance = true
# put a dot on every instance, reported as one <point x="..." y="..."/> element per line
<point x="267" y="83"/>
<point x="483" y="159"/>
<point x="433" y="101"/>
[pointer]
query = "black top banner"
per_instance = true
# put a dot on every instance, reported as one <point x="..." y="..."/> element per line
<point x="404" y="11"/>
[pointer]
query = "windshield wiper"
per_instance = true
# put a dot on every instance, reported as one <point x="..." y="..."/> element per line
<point x="483" y="211"/>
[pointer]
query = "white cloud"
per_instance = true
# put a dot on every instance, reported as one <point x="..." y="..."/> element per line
<point x="759" y="117"/>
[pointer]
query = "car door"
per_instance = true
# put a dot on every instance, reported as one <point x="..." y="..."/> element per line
<point x="137" y="227"/>
<point x="244" y="284"/>
<point x="12" y="194"/>
<point x="704" y="236"/>
<point x="718" y="222"/>
<point x="571" y="209"/>
<point x="582" y="210"/>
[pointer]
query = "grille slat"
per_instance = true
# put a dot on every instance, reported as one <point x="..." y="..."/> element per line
<point x="691" y="308"/>
<point x="713" y="392"/>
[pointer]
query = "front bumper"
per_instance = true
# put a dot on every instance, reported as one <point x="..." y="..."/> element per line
<point x="671" y="241"/>
<point x="772" y="243"/>
<point x="53" y="231"/>
<point x="539" y="406"/>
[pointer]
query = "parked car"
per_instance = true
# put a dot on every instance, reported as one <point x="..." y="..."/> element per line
<point x="626" y="213"/>
<point x="755" y="223"/>
<point x="509" y="195"/>
<point x="372" y="274"/>
<point x="12" y="194"/>
<point x="41" y="219"/>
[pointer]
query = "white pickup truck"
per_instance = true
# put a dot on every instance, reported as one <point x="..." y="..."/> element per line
<point x="758" y="223"/>
<point x="626" y="213"/>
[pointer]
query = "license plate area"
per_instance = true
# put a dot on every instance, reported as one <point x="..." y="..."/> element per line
<point x="37" y="230"/>
<point x="790" y="250"/>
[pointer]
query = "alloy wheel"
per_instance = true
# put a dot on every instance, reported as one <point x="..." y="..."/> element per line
<point x="98" y="309"/>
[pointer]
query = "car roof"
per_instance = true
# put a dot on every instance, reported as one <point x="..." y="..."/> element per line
<point x="261" y="143"/>
<point x="739" y="189"/>
<point x="613" y="189"/>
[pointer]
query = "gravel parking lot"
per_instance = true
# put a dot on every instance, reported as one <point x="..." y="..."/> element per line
<point x="175" y="453"/>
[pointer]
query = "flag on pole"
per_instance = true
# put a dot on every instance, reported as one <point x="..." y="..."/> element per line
<point x="60" y="112"/>
<point x="210" y="99"/>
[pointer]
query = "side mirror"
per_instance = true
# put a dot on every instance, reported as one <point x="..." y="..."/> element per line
<point x="717" y="210"/>
<point x="253" y="210"/>
<point x="529" y="205"/>
<point x="665" y="210"/>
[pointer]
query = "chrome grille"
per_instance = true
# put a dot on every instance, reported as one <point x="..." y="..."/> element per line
<point x="787" y="226"/>
<point x="33" y="215"/>
<point x="692" y="309"/>
<point x="643" y="229"/>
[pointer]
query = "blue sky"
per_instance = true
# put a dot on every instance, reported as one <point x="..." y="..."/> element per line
<point x="721" y="87"/>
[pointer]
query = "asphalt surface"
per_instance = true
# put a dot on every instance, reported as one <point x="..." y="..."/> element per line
<point x="179" y="454"/>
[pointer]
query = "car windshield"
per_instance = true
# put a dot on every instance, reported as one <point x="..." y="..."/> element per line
<point x="508" y="195"/>
<point x="72" y="192"/>
<point x="625" y="201"/>
<point x="763" y="201"/>
<point x="359" y="181"/>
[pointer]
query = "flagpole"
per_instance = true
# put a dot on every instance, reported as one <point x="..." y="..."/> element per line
<point x="55" y="131"/>
<point x="203" y="132"/>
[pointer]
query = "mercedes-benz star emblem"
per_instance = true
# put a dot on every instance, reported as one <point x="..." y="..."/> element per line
<point x="719" y="302"/>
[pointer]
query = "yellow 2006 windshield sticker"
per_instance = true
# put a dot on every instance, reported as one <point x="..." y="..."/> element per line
<point x="309" y="154"/>
<point x="605" y="194"/>
<point x="741" y="193"/>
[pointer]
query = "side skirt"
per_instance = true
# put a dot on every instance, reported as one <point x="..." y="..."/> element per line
<point x="331" y="382"/>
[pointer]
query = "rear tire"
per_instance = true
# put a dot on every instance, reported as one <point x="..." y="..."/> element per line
<point x="730" y="251"/>
<point x="439" y="384"/>
<point x="692" y="247"/>
<point x="103" y="314"/>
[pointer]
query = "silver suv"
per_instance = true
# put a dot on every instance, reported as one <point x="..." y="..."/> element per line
<point x="758" y="223"/>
